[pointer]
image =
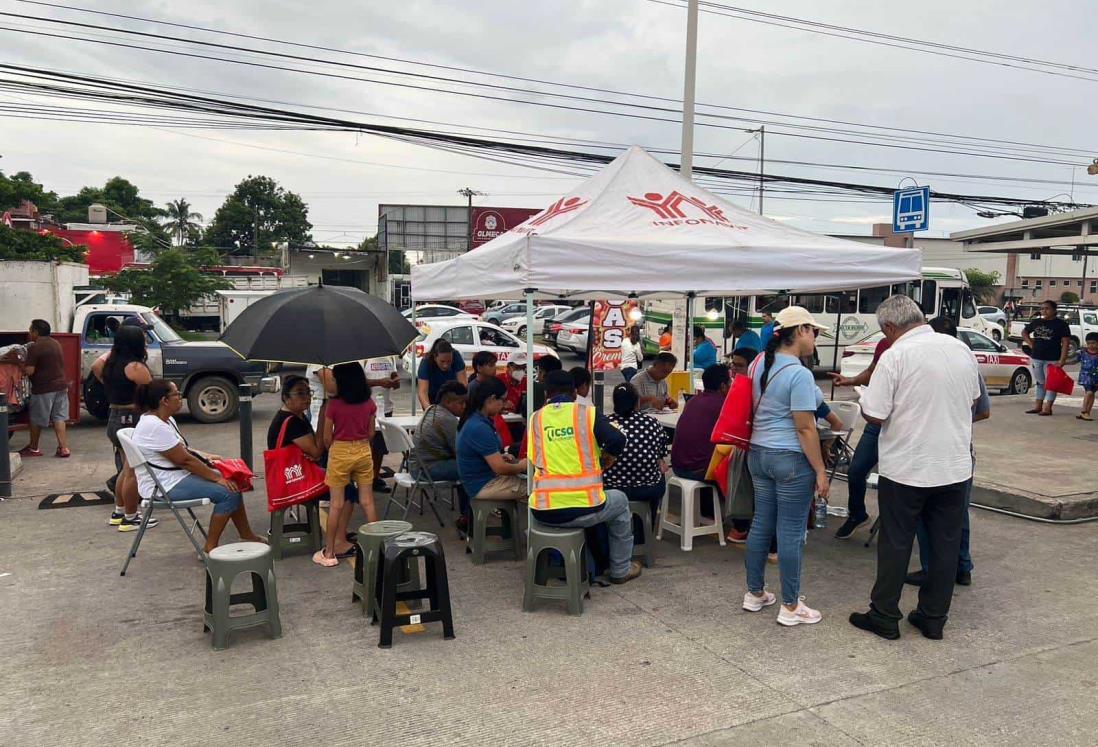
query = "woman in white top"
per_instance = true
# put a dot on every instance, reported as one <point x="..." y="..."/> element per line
<point x="632" y="353"/>
<point x="184" y="474"/>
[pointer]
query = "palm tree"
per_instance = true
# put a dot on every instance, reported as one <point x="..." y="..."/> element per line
<point x="181" y="221"/>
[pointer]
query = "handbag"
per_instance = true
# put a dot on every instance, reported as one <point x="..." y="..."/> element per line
<point x="1057" y="380"/>
<point x="291" y="477"/>
<point x="733" y="425"/>
<point x="237" y="472"/>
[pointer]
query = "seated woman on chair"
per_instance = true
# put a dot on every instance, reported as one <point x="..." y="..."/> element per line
<point x="184" y="474"/>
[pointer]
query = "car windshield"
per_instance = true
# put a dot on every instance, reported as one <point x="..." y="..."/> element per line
<point x="160" y="327"/>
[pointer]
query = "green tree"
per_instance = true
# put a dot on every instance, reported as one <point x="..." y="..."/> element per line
<point x="119" y="195"/>
<point x="30" y="246"/>
<point x="181" y="222"/>
<point x="1069" y="297"/>
<point x="21" y="186"/>
<point x="260" y="203"/>
<point x="173" y="282"/>
<point x="982" y="283"/>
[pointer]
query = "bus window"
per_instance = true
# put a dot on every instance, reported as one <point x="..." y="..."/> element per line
<point x="714" y="303"/>
<point x="813" y="302"/>
<point x="968" y="305"/>
<point x="951" y="305"/>
<point x="926" y="296"/>
<point x="773" y="304"/>
<point x="845" y="302"/>
<point x="870" y="298"/>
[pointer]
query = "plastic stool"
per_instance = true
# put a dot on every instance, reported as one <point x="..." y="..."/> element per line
<point x="484" y="539"/>
<point x="397" y="551"/>
<point x="690" y="520"/>
<point x="570" y="543"/>
<point x="368" y="547"/>
<point x="223" y="565"/>
<point x="296" y="537"/>
<point x="646" y="548"/>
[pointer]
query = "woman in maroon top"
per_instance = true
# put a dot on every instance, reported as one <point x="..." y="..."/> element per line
<point x="348" y="428"/>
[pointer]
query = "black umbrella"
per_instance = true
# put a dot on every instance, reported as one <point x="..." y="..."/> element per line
<point x="325" y="324"/>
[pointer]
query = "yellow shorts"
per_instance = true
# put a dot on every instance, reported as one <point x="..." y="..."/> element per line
<point x="347" y="461"/>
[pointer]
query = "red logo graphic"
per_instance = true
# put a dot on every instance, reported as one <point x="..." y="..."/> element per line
<point x="560" y="207"/>
<point x="670" y="209"/>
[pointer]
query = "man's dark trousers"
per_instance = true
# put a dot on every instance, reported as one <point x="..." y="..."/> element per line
<point x="901" y="506"/>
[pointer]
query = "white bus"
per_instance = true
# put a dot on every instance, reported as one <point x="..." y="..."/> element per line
<point x="942" y="291"/>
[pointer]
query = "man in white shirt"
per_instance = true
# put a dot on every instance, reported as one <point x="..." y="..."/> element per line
<point x="921" y="394"/>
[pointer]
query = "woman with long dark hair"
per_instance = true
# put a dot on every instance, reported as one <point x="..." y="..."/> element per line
<point x="441" y="364"/>
<point x="185" y="474"/>
<point x="638" y="471"/>
<point x="120" y="372"/>
<point x="485" y="470"/>
<point x="786" y="465"/>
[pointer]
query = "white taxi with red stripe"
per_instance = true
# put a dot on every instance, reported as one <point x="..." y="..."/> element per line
<point x="1003" y="369"/>
<point x="469" y="336"/>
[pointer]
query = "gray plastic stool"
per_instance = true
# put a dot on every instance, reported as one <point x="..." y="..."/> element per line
<point x="296" y="537"/>
<point x="571" y="544"/>
<point x="368" y="548"/>
<point x="643" y="510"/>
<point x="484" y="539"/>
<point x="223" y="565"/>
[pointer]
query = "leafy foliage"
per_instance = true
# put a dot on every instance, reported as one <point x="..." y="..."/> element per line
<point x="21" y="186"/>
<point x="182" y="223"/>
<point x="173" y="282"/>
<point x="1069" y="297"/>
<point x="118" y="195"/>
<point x="29" y="246"/>
<point x="258" y="201"/>
<point x="982" y="283"/>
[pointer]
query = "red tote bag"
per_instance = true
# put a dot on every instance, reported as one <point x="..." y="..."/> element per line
<point x="292" y="477"/>
<point x="734" y="423"/>
<point x="1057" y="380"/>
<point x="237" y="472"/>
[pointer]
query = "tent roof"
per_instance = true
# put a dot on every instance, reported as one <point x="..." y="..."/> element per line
<point x="637" y="228"/>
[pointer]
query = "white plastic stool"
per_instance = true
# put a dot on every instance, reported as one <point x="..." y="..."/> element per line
<point x="690" y="524"/>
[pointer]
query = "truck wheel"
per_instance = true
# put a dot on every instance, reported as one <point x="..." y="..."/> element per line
<point x="212" y="399"/>
<point x="95" y="398"/>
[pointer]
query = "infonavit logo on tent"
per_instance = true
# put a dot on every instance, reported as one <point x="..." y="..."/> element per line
<point x="671" y="210"/>
<point x="560" y="207"/>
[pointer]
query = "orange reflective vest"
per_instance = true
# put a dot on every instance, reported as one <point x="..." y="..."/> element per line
<point x="565" y="456"/>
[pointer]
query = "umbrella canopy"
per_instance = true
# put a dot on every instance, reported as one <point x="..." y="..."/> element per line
<point x="637" y="228"/>
<point x="324" y="324"/>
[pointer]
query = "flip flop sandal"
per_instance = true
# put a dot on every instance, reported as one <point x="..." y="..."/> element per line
<point x="1045" y="414"/>
<point x="348" y="553"/>
<point x="323" y="560"/>
<point x="63" y="454"/>
<point x="1083" y="417"/>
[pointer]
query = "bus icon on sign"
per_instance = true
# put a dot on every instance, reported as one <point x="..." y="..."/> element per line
<point x="911" y="209"/>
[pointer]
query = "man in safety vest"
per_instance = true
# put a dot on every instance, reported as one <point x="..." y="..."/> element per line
<point x="569" y="445"/>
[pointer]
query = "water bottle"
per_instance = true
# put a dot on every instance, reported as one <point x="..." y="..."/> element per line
<point x="821" y="512"/>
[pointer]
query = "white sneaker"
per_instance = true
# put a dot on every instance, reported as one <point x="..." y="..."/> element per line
<point x="802" y="614"/>
<point x="752" y="603"/>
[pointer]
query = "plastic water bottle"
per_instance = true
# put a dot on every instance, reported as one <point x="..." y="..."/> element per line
<point x="821" y="512"/>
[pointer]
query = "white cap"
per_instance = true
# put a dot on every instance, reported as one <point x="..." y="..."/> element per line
<point x="796" y="316"/>
<point x="517" y="359"/>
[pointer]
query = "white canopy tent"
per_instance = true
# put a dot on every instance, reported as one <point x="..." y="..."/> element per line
<point x="639" y="229"/>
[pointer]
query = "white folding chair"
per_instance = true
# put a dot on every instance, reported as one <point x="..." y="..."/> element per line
<point x="413" y="477"/>
<point x="842" y="452"/>
<point x="159" y="499"/>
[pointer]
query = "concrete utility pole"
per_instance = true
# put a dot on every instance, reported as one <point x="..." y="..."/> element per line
<point x="468" y="193"/>
<point x="687" y="159"/>
<point x="762" y="164"/>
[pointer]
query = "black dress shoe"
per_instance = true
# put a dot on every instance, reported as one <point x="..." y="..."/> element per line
<point x="849" y="526"/>
<point x="964" y="578"/>
<point x="929" y="628"/>
<point x="866" y="622"/>
<point x="916" y="578"/>
<point x="380" y="486"/>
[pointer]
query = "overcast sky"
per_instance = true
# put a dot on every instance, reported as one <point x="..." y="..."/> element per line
<point x="631" y="45"/>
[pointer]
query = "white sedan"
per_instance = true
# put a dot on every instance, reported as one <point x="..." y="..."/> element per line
<point x="573" y="335"/>
<point x="516" y="325"/>
<point x="1009" y="371"/>
<point x="469" y="336"/>
<point x="437" y="311"/>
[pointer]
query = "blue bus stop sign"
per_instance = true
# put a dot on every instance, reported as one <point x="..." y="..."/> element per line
<point x="911" y="209"/>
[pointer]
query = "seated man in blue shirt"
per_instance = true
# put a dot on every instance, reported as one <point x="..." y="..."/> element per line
<point x="705" y="352"/>
<point x="486" y="472"/>
<point x="746" y="338"/>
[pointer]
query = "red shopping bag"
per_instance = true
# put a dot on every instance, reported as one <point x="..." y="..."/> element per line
<point x="1057" y="380"/>
<point x="291" y="477"/>
<point x="237" y="472"/>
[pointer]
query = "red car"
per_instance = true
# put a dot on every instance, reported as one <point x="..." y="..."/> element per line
<point x="474" y="307"/>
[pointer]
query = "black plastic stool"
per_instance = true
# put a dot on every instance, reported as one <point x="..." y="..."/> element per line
<point x="398" y="550"/>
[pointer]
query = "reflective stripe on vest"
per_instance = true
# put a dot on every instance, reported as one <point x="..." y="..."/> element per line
<point x="576" y="480"/>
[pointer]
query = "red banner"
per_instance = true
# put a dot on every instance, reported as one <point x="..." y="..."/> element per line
<point x="610" y="325"/>
<point x="488" y="223"/>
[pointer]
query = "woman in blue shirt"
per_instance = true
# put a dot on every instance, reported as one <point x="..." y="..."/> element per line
<point x="442" y="364"/>
<point x="705" y="352"/>
<point x="787" y="468"/>
<point x="484" y="469"/>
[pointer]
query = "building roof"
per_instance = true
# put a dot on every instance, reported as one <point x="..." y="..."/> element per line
<point x="1062" y="233"/>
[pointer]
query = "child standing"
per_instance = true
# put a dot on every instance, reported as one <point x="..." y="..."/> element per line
<point x="1088" y="374"/>
<point x="348" y="428"/>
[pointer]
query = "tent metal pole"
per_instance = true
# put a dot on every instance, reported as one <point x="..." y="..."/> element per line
<point x="835" y="357"/>
<point x="414" y="371"/>
<point x="688" y="338"/>
<point x="529" y="371"/>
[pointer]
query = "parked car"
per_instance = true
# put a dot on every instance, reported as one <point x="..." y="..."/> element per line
<point x="469" y="335"/>
<point x="503" y="313"/>
<point x="554" y="325"/>
<point x="472" y="306"/>
<point x="573" y="334"/>
<point x="542" y="314"/>
<point x="436" y="311"/>
<point x="1007" y="370"/>
<point x="993" y="314"/>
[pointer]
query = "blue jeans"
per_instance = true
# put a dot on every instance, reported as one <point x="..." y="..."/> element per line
<point x="628" y="373"/>
<point x="964" y="558"/>
<point x="863" y="462"/>
<point x="784" y="485"/>
<point x="1040" y="368"/>
<point x="193" y="487"/>
<point x="614" y="513"/>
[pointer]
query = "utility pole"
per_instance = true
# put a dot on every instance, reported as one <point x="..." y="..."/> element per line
<point x="468" y="193"/>
<point x="687" y="165"/>
<point x="762" y="164"/>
